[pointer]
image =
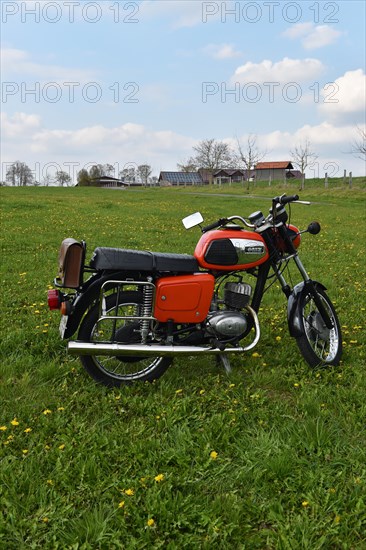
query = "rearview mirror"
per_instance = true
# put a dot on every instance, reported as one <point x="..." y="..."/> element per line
<point x="192" y="220"/>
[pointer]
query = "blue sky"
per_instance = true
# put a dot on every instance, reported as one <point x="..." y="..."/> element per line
<point x="132" y="82"/>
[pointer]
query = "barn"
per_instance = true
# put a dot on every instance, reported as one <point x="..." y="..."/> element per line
<point x="269" y="171"/>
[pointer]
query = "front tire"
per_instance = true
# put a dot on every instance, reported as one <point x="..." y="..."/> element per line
<point x="318" y="344"/>
<point x="113" y="370"/>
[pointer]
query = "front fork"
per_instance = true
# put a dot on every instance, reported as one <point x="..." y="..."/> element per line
<point x="293" y="295"/>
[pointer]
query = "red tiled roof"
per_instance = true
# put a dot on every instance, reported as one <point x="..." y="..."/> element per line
<point x="282" y="164"/>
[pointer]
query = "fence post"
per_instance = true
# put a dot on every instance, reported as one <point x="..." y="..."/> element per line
<point x="344" y="177"/>
<point x="350" y="180"/>
<point x="326" y="180"/>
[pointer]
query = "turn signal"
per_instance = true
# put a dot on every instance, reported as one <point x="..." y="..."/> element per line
<point x="54" y="299"/>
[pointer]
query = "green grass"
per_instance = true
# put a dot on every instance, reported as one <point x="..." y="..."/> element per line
<point x="83" y="467"/>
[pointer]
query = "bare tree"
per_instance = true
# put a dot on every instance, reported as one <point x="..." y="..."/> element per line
<point x="62" y="177"/>
<point x="144" y="171"/>
<point x="128" y="174"/>
<point x="188" y="166"/>
<point x="248" y="155"/>
<point x="303" y="157"/>
<point x="212" y="155"/>
<point x="359" y="144"/>
<point x="19" y="174"/>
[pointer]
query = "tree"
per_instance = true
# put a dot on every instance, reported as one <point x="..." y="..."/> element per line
<point x="62" y="177"/>
<point x="212" y="155"/>
<point x="359" y="144"/>
<point x="128" y="175"/>
<point x="303" y="157"/>
<point x="19" y="174"/>
<point x="96" y="172"/>
<point x="144" y="172"/>
<point x="248" y="155"/>
<point x="83" y="177"/>
<point x="188" y="166"/>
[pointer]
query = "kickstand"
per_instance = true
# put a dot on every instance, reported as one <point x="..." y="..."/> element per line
<point x="225" y="362"/>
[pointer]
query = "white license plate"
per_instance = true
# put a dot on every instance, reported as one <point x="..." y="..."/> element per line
<point x="63" y="324"/>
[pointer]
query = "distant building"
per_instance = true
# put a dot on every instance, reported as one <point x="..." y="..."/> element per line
<point x="203" y="177"/>
<point x="278" y="170"/>
<point x="179" y="178"/>
<point x="107" y="181"/>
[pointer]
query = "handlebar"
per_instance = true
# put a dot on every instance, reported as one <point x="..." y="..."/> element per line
<point x="285" y="199"/>
<point x="218" y="223"/>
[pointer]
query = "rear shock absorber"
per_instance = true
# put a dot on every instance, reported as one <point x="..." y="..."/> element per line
<point x="148" y="297"/>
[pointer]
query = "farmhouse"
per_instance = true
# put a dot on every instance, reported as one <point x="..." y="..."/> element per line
<point x="278" y="170"/>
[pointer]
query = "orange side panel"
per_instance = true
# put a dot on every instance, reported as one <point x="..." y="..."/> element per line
<point x="185" y="298"/>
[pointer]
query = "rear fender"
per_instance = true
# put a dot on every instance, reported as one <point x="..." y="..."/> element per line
<point x="85" y="299"/>
<point x="293" y="306"/>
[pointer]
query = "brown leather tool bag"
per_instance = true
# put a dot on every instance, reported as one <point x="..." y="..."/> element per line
<point x="71" y="263"/>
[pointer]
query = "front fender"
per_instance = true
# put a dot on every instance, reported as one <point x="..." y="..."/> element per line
<point x="293" y="306"/>
<point x="85" y="299"/>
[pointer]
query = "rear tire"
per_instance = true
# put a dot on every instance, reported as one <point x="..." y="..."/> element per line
<point x="318" y="344"/>
<point x="119" y="370"/>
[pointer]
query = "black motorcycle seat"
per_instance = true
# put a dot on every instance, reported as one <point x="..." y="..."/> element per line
<point x="141" y="260"/>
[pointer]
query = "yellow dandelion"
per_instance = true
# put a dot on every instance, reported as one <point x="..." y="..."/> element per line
<point x="47" y="411"/>
<point x="3" y="428"/>
<point x="337" y="518"/>
<point x="27" y="430"/>
<point x="202" y="392"/>
<point x="255" y="354"/>
<point x="25" y="451"/>
<point x="14" y="422"/>
<point x="214" y="455"/>
<point x="60" y="408"/>
<point x="278" y="338"/>
<point x="121" y="504"/>
<point x="159" y="478"/>
<point x="296" y="385"/>
<point x="49" y="482"/>
<point x="45" y="520"/>
<point x="61" y="447"/>
<point x="129" y="492"/>
<point x="305" y="503"/>
<point x="150" y="522"/>
<point x="178" y="391"/>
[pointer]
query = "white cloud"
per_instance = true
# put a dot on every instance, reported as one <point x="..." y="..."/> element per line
<point x="19" y="62"/>
<point x="19" y="125"/>
<point x="284" y="71"/>
<point x="312" y="36"/>
<point x="222" y="51"/>
<point x="24" y="137"/>
<point x="345" y="98"/>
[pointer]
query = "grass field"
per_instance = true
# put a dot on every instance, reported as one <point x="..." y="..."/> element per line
<point x="271" y="457"/>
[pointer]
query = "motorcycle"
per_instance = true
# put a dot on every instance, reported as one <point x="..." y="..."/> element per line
<point x="137" y="310"/>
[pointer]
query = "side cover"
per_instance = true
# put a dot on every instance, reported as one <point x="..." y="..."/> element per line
<point x="184" y="299"/>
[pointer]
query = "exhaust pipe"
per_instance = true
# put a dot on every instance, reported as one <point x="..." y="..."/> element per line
<point x="141" y="350"/>
<point x="145" y="350"/>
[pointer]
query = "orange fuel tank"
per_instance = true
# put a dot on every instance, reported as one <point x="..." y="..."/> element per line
<point x="230" y="249"/>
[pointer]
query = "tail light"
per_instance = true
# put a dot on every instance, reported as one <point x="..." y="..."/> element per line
<point x="54" y="299"/>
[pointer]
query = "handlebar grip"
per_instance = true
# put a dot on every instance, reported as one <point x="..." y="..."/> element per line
<point x="218" y="223"/>
<point x="286" y="199"/>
